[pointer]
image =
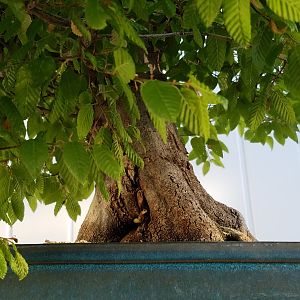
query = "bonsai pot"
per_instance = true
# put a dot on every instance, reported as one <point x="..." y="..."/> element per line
<point x="228" y="270"/>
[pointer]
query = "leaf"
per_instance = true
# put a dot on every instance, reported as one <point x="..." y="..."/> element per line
<point x="95" y="15"/>
<point x="19" y="10"/>
<point x="85" y="120"/>
<point x="169" y="8"/>
<point x="106" y="161"/>
<point x="292" y="75"/>
<point x="125" y="66"/>
<point x="19" y="265"/>
<point x="27" y="95"/>
<point x="160" y="125"/>
<point x="42" y="69"/>
<point x="18" y="205"/>
<point x="13" y="116"/>
<point x="237" y="20"/>
<point x="206" y="167"/>
<point x="208" y="10"/>
<point x="194" y="113"/>
<point x="73" y="208"/>
<point x="287" y="9"/>
<point x="283" y="107"/>
<point x="257" y="113"/>
<point x="33" y="154"/>
<point x="3" y="265"/>
<point x="76" y="160"/>
<point x="162" y="99"/>
<point x="215" y="52"/>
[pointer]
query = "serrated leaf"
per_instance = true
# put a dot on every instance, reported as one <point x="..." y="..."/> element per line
<point x="292" y="75"/>
<point x="3" y="265"/>
<point x="76" y="160"/>
<point x="106" y="161"/>
<point x="17" y="206"/>
<point x="19" y="10"/>
<point x="14" y="118"/>
<point x="206" y="167"/>
<point x="237" y="20"/>
<point x="125" y="66"/>
<point x="283" y="107"/>
<point x="169" y="8"/>
<point x="33" y="154"/>
<point x="95" y="14"/>
<point x="27" y="95"/>
<point x="208" y="10"/>
<point x="257" y="113"/>
<point x="162" y="99"/>
<point x="215" y="52"/>
<point x="19" y="265"/>
<point x="85" y="120"/>
<point x="73" y="208"/>
<point x="287" y="9"/>
<point x="160" y="125"/>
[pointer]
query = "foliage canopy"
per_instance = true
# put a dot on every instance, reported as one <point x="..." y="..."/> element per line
<point x="67" y="66"/>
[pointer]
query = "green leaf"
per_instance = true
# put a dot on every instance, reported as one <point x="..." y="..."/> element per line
<point x="287" y="9"/>
<point x="18" y="206"/>
<point x="283" y="107"/>
<point x="76" y="160"/>
<point x="19" y="265"/>
<point x="194" y="113"/>
<point x="125" y="66"/>
<point x="106" y="161"/>
<point x="215" y="52"/>
<point x="19" y="10"/>
<point x="206" y="167"/>
<point x="3" y="265"/>
<point x="162" y="99"/>
<point x="13" y="116"/>
<point x="169" y="8"/>
<point x="292" y="76"/>
<point x="27" y="95"/>
<point x="95" y="15"/>
<point x="85" y="120"/>
<point x="73" y="208"/>
<point x="257" y="113"/>
<point x="33" y="154"/>
<point x="42" y="69"/>
<point x="160" y="125"/>
<point x="237" y="20"/>
<point x="208" y="10"/>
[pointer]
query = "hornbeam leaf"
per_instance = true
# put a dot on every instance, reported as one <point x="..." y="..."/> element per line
<point x="237" y="20"/>
<point x="162" y="99"/>
<point x="125" y="66"/>
<point x="26" y="95"/>
<point x="85" y="120"/>
<point x="76" y="160"/>
<point x="287" y="9"/>
<point x="95" y="14"/>
<point x="292" y="76"/>
<point x="208" y="10"/>
<point x="3" y="265"/>
<point x="106" y="161"/>
<point x="18" y="9"/>
<point x="257" y="113"/>
<point x="33" y="154"/>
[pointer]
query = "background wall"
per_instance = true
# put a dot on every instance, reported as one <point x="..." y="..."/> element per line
<point x="263" y="184"/>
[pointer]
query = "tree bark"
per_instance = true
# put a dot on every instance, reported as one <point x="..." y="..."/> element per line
<point x="164" y="201"/>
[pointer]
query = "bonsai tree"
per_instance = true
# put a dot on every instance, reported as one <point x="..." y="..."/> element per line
<point x="104" y="94"/>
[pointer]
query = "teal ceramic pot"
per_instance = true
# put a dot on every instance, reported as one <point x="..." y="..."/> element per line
<point x="228" y="270"/>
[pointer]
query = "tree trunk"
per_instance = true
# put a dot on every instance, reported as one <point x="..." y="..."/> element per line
<point x="164" y="201"/>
